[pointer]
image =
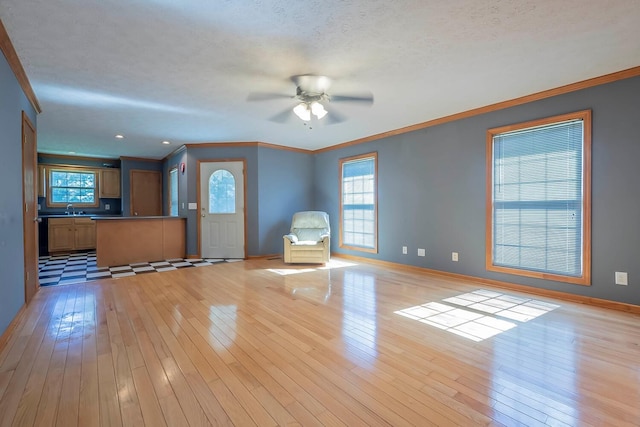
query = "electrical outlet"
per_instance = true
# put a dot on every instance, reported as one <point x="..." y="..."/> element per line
<point x="454" y="256"/>
<point x="404" y="250"/>
<point x="622" y="278"/>
<point x="421" y="252"/>
<point x="107" y="207"/>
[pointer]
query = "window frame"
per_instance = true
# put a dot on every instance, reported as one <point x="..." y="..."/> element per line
<point x="585" y="278"/>
<point x="341" y="163"/>
<point x="77" y="169"/>
<point x="174" y="170"/>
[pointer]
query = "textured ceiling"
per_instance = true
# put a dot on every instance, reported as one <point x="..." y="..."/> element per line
<point x="181" y="71"/>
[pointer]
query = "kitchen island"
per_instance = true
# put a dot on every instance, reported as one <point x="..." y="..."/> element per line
<point x="127" y="240"/>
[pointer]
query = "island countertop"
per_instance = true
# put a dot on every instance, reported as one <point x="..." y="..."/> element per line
<point x="130" y="239"/>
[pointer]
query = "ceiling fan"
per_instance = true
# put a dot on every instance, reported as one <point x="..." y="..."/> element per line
<point x="312" y="96"/>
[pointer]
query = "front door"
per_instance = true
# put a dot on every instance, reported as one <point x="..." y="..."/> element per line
<point x="222" y="209"/>
<point x="29" y="208"/>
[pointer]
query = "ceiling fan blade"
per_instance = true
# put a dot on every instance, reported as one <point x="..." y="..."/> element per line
<point x="283" y="116"/>
<point x="365" y="98"/>
<point x="334" y="117"/>
<point x="265" y="96"/>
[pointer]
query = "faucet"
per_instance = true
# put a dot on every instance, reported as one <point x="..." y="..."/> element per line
<point x="70" y="206"/>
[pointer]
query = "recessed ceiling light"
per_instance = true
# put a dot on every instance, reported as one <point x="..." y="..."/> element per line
<point x="120" y="136"/>
<point x="72" y="152"/>
<point x="166" y="142"/>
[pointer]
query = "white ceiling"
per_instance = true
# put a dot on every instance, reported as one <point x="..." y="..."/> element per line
<point x="181" y="71"/>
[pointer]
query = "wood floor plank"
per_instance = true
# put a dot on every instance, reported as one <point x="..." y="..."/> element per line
<point x="45" y="331"/>
<point x="89" y="411"/>
<point x="192" y="410"/>
<point x="151" y="411"/>
<point x="241" y="344"/>
<point x="52" y="389"/>
<point x="68" y="406"/>
<point x="110" y="414"/>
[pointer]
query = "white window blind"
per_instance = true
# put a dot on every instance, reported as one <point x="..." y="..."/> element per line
<point x="173" y="192"/>
<point x="537" y="199"/>
<point x="358" y="203"/>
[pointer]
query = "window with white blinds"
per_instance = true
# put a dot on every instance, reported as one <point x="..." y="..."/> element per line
<point x="358" y="222"/>
<point x="539" y="198"/>
<point x="173" y="191"/>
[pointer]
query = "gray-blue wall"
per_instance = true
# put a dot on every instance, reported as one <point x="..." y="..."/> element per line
<point x="285" y="186"/>
<point x="12" y="102"/>
<point x="431" y="190"/>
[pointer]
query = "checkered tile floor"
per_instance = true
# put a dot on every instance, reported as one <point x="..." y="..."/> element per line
<point x="81" y="267"/>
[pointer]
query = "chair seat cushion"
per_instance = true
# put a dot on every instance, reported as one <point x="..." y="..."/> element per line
<point x="307" y="243"/>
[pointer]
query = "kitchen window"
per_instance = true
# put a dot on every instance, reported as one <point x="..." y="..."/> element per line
<point x="72" y="186"/>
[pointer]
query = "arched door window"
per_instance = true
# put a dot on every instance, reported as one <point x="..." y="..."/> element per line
<point x="222" y="192"/>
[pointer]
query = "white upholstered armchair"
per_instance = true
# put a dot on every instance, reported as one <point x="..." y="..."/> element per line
<point x="309" y="238"/>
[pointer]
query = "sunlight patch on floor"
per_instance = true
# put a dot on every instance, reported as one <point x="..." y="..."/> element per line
<point x="305" y="268"/>
<point x="477" y="315"/>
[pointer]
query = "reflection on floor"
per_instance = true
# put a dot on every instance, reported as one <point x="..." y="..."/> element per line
<point x="480" y="317"/>
<point x="81" y="267"/>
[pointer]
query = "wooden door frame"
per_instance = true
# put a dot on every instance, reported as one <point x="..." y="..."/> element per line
<point x="29" y="220"/>
<point x="199" y="201"/>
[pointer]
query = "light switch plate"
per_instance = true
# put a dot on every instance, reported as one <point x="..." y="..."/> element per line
<point x="193" y="206"/>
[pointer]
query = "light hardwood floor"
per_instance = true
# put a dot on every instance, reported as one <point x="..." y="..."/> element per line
<point x="262" y="343"/>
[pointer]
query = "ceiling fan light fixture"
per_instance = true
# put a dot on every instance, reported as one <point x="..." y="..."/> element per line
<point x="318" y="110"/>
<point x="302" y="111"/>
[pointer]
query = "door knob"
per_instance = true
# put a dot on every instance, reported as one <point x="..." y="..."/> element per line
<point x="202" y="215"/>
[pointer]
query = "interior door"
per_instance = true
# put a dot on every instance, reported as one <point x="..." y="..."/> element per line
<point x="29" y="207"/>
<point x="221" y="204"/>
<point x="146" y="192"/>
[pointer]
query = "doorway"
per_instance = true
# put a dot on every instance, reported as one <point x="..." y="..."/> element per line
<point x="29" y="208"/>
<point x="222" y="209"/>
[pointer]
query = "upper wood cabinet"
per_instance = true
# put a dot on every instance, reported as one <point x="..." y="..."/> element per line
<point x="109" y="185"/>
<point x="42" y="181"/>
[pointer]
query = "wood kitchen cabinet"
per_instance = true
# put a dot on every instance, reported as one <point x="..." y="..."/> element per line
<point x="109" y="185"/>
<point x="42" y="181"/>
<point x="70" y="234"/>
<point x="61" y="235"/>
<point x="84" y="233"/>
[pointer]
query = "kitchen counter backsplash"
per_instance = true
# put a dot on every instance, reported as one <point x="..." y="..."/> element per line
<point x="115" y="208"/>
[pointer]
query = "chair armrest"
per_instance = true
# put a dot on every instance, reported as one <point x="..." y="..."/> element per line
<point x="291" y="237"/>
<point x="324" y="237"/>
